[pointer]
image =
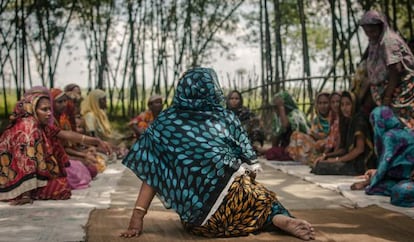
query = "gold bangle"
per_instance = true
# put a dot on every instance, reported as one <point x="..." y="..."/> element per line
<point x="337" y="158"/>
<point x="140" y="209"/>
<point x="83" y="139"/>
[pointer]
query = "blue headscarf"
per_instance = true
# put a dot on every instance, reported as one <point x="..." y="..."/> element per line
<point x="193" y="151"/>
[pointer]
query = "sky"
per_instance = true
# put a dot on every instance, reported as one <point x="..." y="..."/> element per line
<point x="246" y="57"/>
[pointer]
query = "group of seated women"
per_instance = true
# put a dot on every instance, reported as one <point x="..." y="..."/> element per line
<point x="46" y="151"/>
<point x="338" y="140"/>
<point x="342" y="140"/>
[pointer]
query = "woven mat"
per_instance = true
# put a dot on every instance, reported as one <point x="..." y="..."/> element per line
<point x="364" y="224"/>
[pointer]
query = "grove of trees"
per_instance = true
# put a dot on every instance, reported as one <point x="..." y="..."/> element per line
<point x="138" y="47"/>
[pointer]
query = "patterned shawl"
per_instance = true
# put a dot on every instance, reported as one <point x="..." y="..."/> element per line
<point x="389" y="49"/>
<point x="394" y="145"/>
<point x="194" y="149"/>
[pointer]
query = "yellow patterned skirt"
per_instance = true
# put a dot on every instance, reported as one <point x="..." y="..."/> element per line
<point x="246" y="209"/>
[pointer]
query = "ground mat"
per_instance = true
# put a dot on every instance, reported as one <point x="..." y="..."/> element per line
<point x="363" y="224"/>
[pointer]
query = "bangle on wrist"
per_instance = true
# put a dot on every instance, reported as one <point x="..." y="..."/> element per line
<point x="83" y="139"/>
<point x="140" y="209"/>
<point x="337" y="159"/>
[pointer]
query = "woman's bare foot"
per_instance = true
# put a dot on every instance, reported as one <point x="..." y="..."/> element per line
<point x="23" y="199"/>
<point x="297" y="227"/>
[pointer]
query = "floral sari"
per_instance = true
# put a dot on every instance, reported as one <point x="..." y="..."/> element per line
<point x="303" y="147"/>
<point x="29" y="159"/>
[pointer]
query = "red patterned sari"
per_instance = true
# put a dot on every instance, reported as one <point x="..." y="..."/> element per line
<point x="30" y="159"/>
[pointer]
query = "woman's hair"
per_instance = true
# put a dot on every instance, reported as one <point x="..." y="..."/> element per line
<point x="345" y="122"/>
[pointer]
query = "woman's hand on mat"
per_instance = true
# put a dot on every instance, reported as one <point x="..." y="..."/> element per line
<point x="369" y="174"/>
<point x="318" y="159"/>
<point x="136" y="224"/>
<point x="131" y="232"/>
<point x="103" y="145"/>
<point x="367" y="180"/>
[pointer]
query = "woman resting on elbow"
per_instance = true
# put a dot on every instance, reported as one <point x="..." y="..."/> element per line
<point x="355" y="153"/>
<point x="198" y="159"/>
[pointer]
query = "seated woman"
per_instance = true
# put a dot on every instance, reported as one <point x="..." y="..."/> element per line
<point x="305" y="147"/>
<point x="355" y="153"/>
<point x="198" y="159"/>
<point x="82" y="166"/>
<point x="394" y="145"/>
<point x="250" y="122"/>
<point x="91" y="151"/>
<point x="332" y="141"/>
<point x="287" y="118"/>
<point x="32" y="162"/>
<point x="141" y="122"/>
<point x="97" y="123"/>
<point x="74" y="95"/>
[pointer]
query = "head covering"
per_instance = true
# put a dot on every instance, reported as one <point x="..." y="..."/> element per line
<point x="63" y="117"/>
<point x="203" y="94"/>
<point x="194" y="149"/>
<point x="389" y="49"/>
<point x="320" y="124"/>
<point x="27" y="105"/>
<point x="56" y="93"/>
<point x="319" y="95"/>
<point x="297" y="119"/>
<point x="91" y="105"/>
<point x="372" y="17"/>
<point x="289" y="103"/>
<point x="154" y="97"/>
<point x="70" y="87"/>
